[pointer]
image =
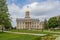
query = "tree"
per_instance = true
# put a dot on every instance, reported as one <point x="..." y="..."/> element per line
<point x="4" y="15"/>
<point x="7" y="25"/>
<point x="45" y="24"/>
<point x="52" y="22"/>
<point x="58" y="21"/>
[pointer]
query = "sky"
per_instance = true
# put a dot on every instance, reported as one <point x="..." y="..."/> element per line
<point x="40" y="9"/>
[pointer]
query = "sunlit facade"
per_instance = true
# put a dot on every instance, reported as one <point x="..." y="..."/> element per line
<point x="28" y="23"/>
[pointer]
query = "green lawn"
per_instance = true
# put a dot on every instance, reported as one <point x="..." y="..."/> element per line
<point x="56" y="30"/>
<point x="9" y="36"/>
<point x="38" y="31"/>
<point x="31" y="31"/>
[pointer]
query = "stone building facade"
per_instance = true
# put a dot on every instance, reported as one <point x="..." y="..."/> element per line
<point x="28" y="23"/>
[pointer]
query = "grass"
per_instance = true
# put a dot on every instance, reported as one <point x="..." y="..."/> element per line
<point x="37" y="31"/>
<point x="9" y="36"/>
<point x="31" y="31"/>
<point x="57" y="30"/>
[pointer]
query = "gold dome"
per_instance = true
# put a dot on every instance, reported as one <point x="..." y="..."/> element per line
<point x="27" y="10"/>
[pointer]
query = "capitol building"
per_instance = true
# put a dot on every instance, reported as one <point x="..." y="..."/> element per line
<point x="28" y="23"/>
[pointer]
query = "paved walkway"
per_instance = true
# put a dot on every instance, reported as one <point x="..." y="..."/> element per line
<point x="32" y="33"/>
<point x="58" y="38"/>
<point x="25" y="33"/>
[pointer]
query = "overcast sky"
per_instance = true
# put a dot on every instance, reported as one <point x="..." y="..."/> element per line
<point x="38" y="9"/>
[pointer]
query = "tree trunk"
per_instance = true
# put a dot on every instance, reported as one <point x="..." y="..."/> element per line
<point x="2" y="28"/>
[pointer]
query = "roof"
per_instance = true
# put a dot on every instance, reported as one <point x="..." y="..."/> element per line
<point x="22" y="19"/>
<point x="34" y="19"/>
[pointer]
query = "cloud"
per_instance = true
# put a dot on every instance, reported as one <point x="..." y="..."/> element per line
<point x="37" y="10"/>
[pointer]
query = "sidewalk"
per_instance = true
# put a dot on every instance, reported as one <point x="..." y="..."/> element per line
<point x="58" y="38"/>
<point x="25" y="33"/>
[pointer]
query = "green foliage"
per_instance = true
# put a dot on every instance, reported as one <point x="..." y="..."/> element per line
<point x="4" y="15"/>
<point x="7" y="25"/>
<point x="58" y="21"/>
<point x="52" y="22"/>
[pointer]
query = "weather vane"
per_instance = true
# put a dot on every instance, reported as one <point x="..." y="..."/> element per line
<point x="27" y="6"/>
